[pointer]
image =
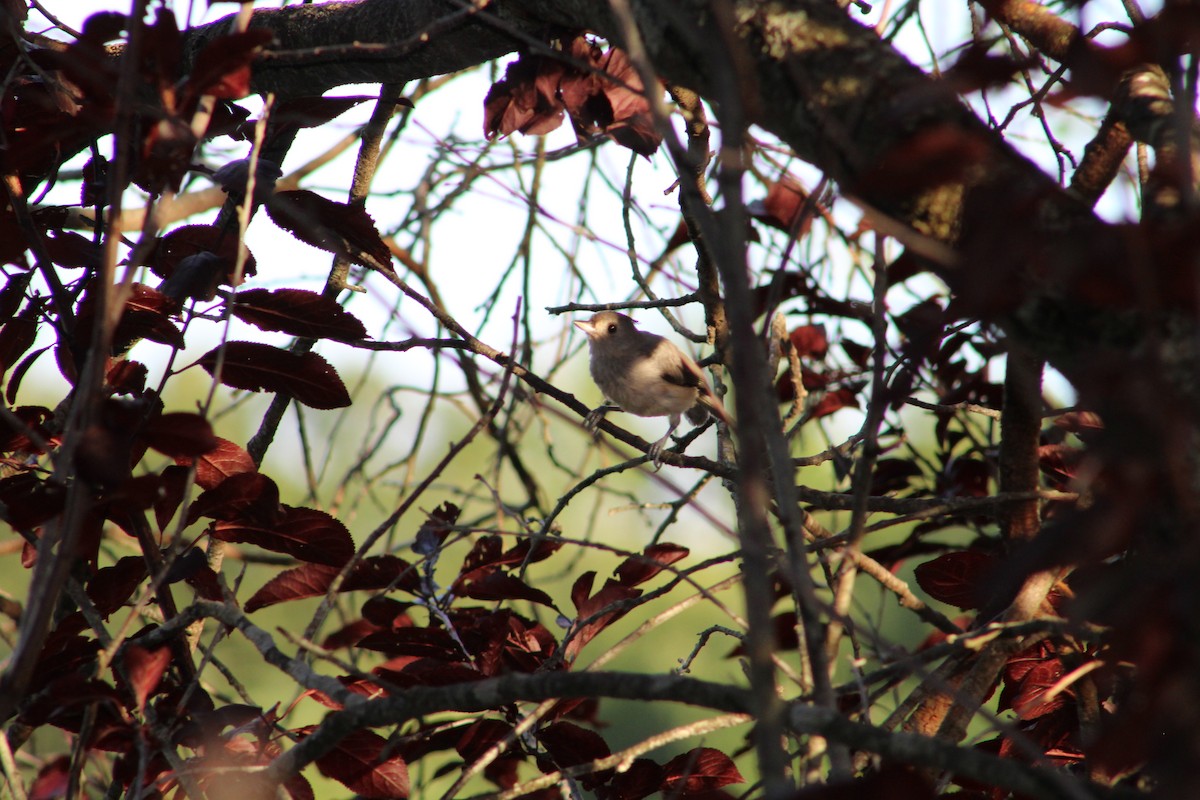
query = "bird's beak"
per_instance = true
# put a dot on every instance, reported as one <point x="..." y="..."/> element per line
<point x="586" y="327"/>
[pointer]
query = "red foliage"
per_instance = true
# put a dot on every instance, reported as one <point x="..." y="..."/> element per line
<point x="360" y="763"/>
<point x="144" y="669"/>
<point x="657" y="557"/>
<point x="595" y="612"/>
<point x="187" y="241"/>
<point x="957" y="578"/>
<point x="221" y="462"/>
<point x="344" y="229"/>
<point x="314" y="580"/>
<point x="601" y="91"/>
<point x="262" y="368"/>
<point x="298" y="312"/>
<point x="304" y="533"/>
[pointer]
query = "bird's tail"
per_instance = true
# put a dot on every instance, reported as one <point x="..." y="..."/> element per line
<point x="708" y="404"/>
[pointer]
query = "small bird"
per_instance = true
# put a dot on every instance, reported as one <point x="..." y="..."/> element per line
<point x="644" y="374"/>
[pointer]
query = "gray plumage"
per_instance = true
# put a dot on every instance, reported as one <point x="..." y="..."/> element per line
<point x="644" y="374"/>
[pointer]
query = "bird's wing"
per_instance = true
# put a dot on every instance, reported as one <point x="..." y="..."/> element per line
<point x="682" y="371"/>
<point x="690" y="374"/>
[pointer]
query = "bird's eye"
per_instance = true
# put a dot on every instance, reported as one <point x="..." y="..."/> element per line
<point x="612" y="328"/>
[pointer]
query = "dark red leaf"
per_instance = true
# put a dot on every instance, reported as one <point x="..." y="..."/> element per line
<point x="834" y="401"/>
<point x="298" y="312"/>
<point x="127" y="377"/>
<point x="24" y="421"/>
<point x="191" y="240"/>
<point x="387" y="612"/>
<point x="63" y="702"/>
<point x="810" y="341"/>
<point x="1079" y="422"/>
<point x="313" y="580"/>
<point x="350" y="634"/>
<point x="206" y="583"/>
<point x="53" y="123"/>
<point x="12" y="251"/>
<point x="180" y="434"/>
<point x="18" y="374"/>
<point x="94" y="191"/>
<point x="429" y="672"/>
<point x="433" y="532"/>
<point x="170" y="494"/>
<point x="923" y="326"/>
<point x="145" y="316"/>
<point x="249" y="496"/>
<point x="632" y="123"/>
<point x="526" y="100"/>
<point x="166" y="155"/>
<point x="223" y="461"/>
<point x="298" y="788"/>
<point x="429" y="738"/>
<point x="786" y="634"/>
<point x="229" y="119"/>
<point x="642" y="779"/>
<point x="542" y="549"/>
<point x="357" y="763"/>
<point x="608" y="98"/>
<point x="64" y="654"/>
<point x="1027" y="677"/>
<point x="344" y="229"/>
<point x="582" y="589"/>
<point x="975" y="69"/>
<point x="1060" y="462"/>
<point x="965" y="477"/>
<point x="639" y="569"/>
<point x="586" y="607"/>
<point x="571" y="745"/>
<point x="782" y="206"/>
<point x="144" y="669"/>
<point x="28" y="501"/>
<point x="701" y="770"/>
<point x="186" y="565"/>
<point x="304" y="533"/>
<point x="256" y="367"/>
<point x="18" y="334"/>
<point x="222" y="68"/>
<point x="499" y="586"/>
<point x="1031" y="701"/>
<point x="412" y="642"/>
<point x="484" y="556"/>
<point x="481" y="736"/>
<point x="161" y="53"/>
<point x="14" y="288"/>
<point x="502" y="641"/>
<point x="956" y="578"/>
<point x="111" y="587"/>
<point x="70" y="250"/>
<point x="52" y="780"/>
<point x="894" y="475"/>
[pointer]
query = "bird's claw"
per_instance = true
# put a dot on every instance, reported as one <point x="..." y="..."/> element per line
<point x="656" y="452"/>
<point x="594" y="418"/>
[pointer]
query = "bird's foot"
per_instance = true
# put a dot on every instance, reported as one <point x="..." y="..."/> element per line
<point x="595" y="417"/>
<point x="656" y="452"/>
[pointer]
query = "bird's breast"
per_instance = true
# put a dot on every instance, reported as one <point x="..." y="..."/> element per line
<point x="638" y="387"/>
